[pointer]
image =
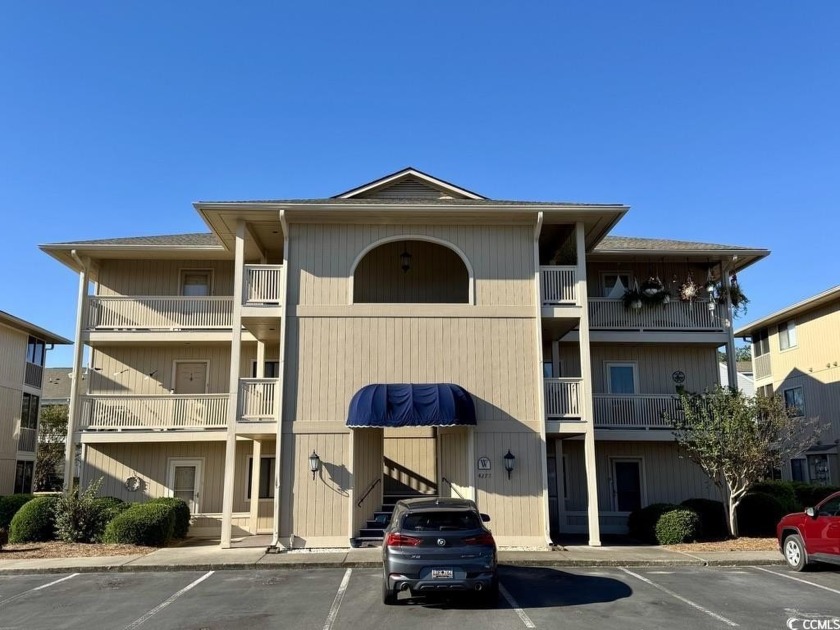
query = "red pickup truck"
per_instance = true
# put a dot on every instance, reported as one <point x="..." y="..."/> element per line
<point x="812" y="535"/>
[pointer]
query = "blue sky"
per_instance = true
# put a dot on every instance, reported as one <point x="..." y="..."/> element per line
<point x="715" y="121"/>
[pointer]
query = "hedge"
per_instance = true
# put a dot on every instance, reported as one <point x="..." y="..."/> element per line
<point x="182" y="514"/>
<point x="677" y="526"/>
<point x="808" y="495"/>
<point x="782" y="490"/>
<point x="713" y="522"/>
<point x="641" y="524"/>
<point x="9" y="506"/>
<point x="758" y="513"/>
<point x="34" y="521"/>
<point x="149" y="524"/>
<point x="107" y="509"/>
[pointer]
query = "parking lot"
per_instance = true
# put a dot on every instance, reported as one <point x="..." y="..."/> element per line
<point x="660" y="597"/>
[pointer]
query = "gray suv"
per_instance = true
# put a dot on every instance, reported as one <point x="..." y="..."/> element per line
<point x="436" y="545"/>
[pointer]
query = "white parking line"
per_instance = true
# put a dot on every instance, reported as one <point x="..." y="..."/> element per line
<point x="513" y="604"/>
<point x="37" y="588"/>
<point x="167" y="601"/>
<point x="339" y="596"/>
<point x="796" y="579"/>
<point x="668" y="591"/>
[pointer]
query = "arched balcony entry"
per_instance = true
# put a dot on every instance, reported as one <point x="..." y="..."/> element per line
<point x="412" y="270"/>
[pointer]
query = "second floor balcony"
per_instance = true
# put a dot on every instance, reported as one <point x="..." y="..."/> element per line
<point x="635" y="411"/>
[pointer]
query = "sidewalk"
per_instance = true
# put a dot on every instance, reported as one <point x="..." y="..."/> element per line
<point x="205" y="555"/>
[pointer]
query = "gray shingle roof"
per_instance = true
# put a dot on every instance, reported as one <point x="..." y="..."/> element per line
<point x="630" y="243"/>
<point x="196" y="239"/>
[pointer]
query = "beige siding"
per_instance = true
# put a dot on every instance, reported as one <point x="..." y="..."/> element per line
<point x="367" y="469"/>
<point x="159" y="277"/>
<point x="12" y="357"/>
<point x="502" y="258"/>
<point x="411" y="461"/>
<point x="12" y="366"/>
<point x="455" y="462"/>
<point x="330" y="359"/>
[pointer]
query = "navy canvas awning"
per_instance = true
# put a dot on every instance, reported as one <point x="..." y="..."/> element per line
<point x="410" y="405"/>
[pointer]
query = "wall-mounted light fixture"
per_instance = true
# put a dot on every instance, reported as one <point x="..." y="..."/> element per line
<point x="150" y="375"/>
<point x="314" y="464"/>
<point x="120" y="371"/>
<point x="510" y="460"/>
<point x="405" y="259"/>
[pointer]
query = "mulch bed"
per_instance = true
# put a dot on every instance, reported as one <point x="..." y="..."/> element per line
<point x="25" y="551"/>
<point x="736" y="544"/>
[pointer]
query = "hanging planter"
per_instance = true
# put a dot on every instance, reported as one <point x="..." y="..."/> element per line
<point x="737" y="298"/>
<point x="689" y="289"/>
<point x="651" y="293"/>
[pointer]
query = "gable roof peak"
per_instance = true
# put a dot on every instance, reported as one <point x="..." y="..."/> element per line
<point x="409" y="182"/>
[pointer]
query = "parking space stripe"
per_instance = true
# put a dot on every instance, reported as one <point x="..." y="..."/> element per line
<point x="38" y="588"/>
<point x="513" y="604"/>
<point x="668" y="591"/>
<point x="339" y="596"/>
<point x="796" y="579"/>
<point x="167" y="601"/>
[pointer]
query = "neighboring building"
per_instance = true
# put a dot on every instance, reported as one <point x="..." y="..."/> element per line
<point x="745" y="377"/>
<point x="410" y="334"/>
<point x="796" y="354"/>
<point x="23" y="350"/>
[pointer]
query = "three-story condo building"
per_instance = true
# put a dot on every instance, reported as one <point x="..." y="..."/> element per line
<point x="305" y="361"/>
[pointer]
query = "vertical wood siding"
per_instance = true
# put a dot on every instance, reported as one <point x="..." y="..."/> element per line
<point x="367" y="468"/>
<point x="414" y="461"/>
<point x="159" y="277"/>
<point x="12" y="357"/>
<point x="454" y="461"/>
<point x="12" y="366"/>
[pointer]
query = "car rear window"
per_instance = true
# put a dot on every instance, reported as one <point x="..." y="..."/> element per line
<point x="441" y="521"/>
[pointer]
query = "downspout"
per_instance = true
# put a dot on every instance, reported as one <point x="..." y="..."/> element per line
<point x="78" y="352"/>
<point x="539" y="379"/>
<point x="278" y="444"/>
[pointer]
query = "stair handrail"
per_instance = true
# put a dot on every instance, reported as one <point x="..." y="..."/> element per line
<point x="453" y="488"/>
<point x="368" y="491"/>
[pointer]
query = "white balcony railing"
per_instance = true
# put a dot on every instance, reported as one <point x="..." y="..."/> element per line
<point x="610" y="314"/>
<point x="159" y="313"/>
<point x="637" y="411"/>
<point x="763" y="367"/>
<point x="558" y="285"/>
<point x="262" y="284"/>
<point x="27" y="440"/>
<point x="562" y="397"/>
<point x="257" y="399"/>
<point x="177" y="411"/>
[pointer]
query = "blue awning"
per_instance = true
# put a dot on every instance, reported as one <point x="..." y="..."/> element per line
<point x="409" y="405"/>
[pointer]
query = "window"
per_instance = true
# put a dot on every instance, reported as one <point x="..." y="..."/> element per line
<point x="761" y="343"/>
<point x="450" y="521"/>
<point x="795" y="400"/>
<point x="798" y="471"/>
<point x="830" y="508"/>
<point x="266" y="477"/>
<point x="765" y="391"/>
<point x="615" y="284"/>
<point x="35" y="351"/>
<point x="271" y="368"/>
<point x="196" y="282"/>
<point x="787" y="335"/>
<point x="29" y="412"/>
<point x="621" y="378"/>
<point x="23" y="477"/>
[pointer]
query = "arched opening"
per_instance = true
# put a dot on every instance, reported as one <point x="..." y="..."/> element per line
<point x="411" y="271"/>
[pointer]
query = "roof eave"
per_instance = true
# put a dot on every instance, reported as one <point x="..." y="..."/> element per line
<point x="31" y="329"/>
<point x="798" y="308"/>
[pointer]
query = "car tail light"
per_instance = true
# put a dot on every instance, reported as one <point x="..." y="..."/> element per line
<point x="401" y="540"/>
<point x="482" y="539"/>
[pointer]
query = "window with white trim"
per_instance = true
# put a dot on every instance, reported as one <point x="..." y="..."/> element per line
<point x="196" y="282"/>
<point x="787" y="335"/>
<point x="621" y="378"/>
<point x="271" y="369"/>
<point x="761" y="343"/>
<point x="615" y="284"/>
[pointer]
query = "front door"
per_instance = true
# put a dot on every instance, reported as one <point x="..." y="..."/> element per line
<point x="627" y="484"/>
<point x="190" y="377"/>
<point x="185" y="482"/>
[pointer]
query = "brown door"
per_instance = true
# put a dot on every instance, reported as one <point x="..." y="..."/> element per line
<point x="190" y="377"/>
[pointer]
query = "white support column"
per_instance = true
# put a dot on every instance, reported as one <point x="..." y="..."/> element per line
<point x="256" y="458"/>
<point x="281" y="375"/>
<point x="233" y="400"/>
<point x="75" y="385"/>
<point x="586" y="391"/>
<point x="731" y="362"/>
<point x="560" y="475"/>
<point x="260" y="359"/>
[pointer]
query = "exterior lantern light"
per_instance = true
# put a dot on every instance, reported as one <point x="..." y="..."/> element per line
<point x="314" y="464"/>
<point x="405" y="260"/>
<point x="510" y="459"/>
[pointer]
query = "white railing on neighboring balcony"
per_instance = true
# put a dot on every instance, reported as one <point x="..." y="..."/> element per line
<point x="262" y="284"/>
<point x="558" y="285"/>
<point x="27" y="440"/>
<point x="763" y="368"/>
<point x="637" y="411"/>
<point x="610" y="314"/>
<point x="562" y="397"/>
<point x="176" y="411"/>
<point x="257" y="399"/>
<point x="34" y="375"/>
<point x="159" y="313"/>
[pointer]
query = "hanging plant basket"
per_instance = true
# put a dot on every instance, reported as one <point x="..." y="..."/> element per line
<point x="632" y="299"/>
<point x="736" y="297"/>
<point x="653" y="292"/>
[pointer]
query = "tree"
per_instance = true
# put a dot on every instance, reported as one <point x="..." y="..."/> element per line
<point x="52" y="433"/>
<point x="735" y="438"/>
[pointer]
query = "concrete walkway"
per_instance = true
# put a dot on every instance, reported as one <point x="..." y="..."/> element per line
<point x="205" y="555"/>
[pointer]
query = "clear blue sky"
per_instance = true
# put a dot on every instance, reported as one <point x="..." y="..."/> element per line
<point x="715" y="121"/>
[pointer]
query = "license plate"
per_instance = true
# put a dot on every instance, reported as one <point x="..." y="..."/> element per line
<point x="442" y="574"/>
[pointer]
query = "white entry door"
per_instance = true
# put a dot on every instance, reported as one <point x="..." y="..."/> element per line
<point x="185" y="482"/>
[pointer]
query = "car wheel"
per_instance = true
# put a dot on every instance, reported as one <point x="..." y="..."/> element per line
<point x="389" y="596"/>
<point x="795" y="554"/>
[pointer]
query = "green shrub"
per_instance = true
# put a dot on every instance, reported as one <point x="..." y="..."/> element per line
<point x="4" y="537"/>
<point x="34" y="521"/>
<point x="641" y="524"/>
<point x="148" y="524"/>
<point x="782" y="490"/>
<point x="713" y="523"/>
<point x="808" y="495"/>
<point x="77" y="516"/>
<point x="107" y="509"/>
<point x="9" y="506"/>
<point x="182" y="515"/>
<point x="677" y="526"/>
<point x="758" y="514"/>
